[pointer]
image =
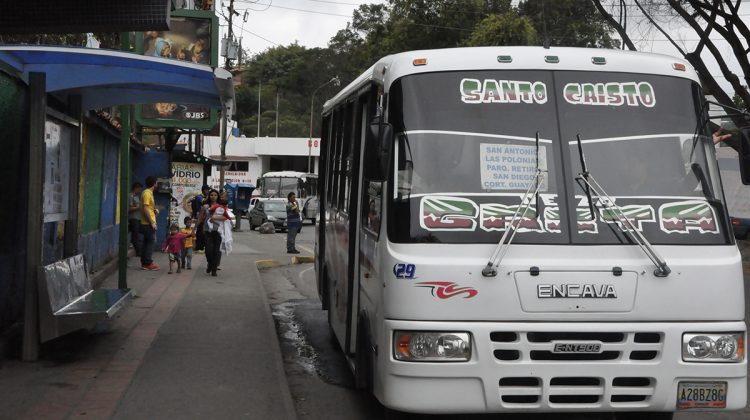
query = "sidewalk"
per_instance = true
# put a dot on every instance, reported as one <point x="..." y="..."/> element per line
<point x="189" y="346"/>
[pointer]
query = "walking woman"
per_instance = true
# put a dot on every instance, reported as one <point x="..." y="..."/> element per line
<point x="213" y="241"/>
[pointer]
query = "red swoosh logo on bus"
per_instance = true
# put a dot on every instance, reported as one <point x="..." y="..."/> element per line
<point x="446" y="289"/>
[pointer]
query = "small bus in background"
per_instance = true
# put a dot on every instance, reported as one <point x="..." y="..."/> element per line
<point x="280" y="184"/>
<point x="521" y="229"/>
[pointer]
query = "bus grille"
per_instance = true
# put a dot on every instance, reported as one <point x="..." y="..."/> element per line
<point x="513" y="346"/>
<point x="520" y="392"/>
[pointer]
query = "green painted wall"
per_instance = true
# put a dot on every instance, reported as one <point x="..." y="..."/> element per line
<point x="13" y="175"/>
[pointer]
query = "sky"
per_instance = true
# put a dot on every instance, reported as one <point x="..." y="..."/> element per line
<point x="266" y="23"/>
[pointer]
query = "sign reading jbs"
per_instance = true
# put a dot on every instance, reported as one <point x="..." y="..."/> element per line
<point x="192" y="38"/>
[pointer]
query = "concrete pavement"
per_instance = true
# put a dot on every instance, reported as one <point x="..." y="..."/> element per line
<point x="189" y="346"/>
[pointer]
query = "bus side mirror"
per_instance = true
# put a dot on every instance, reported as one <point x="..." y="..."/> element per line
<point x="382" y="135"/>
<point x="743" y="149"/>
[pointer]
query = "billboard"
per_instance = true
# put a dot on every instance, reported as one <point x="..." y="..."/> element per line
<point x="193" y="37"/>
<point x="187" y="180"/>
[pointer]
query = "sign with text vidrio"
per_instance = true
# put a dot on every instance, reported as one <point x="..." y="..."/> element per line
<point x="187" y="180"/>
<point x="193" y="38"/>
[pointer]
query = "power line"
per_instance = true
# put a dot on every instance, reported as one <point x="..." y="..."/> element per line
<point x="256" y="35"/>
<point x="349" y="16"/>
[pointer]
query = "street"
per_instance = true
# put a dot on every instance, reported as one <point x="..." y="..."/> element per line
<point x="250" y="343"/>
<point x="318" y="376"/>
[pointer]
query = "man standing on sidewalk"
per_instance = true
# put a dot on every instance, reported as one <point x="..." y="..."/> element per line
<point x="148" y="224"/>
<point x="134" y="217"/>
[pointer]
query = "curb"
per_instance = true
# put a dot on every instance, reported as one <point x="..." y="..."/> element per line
<point x="303" y="260"/>
<point x="286" y="392"/>
<point x="261" y="264"/>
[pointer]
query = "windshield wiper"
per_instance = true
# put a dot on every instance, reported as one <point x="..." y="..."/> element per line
<point x="490" y="269"/>
<point x="625" y="225"/>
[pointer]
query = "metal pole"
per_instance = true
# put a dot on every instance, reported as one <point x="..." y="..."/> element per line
<point x="122" y="258"/>
<point x="35" y="210"/>
<point x="122" y="263"/>
<point x="224" y="116"/>
<point x="334" y="80"/>
<point x="277" y="112"/>
<point x="259" y="87"/>
<point x="227" y="60"/>
<point x="309" y="141"/>
<point x="223" y="134"/>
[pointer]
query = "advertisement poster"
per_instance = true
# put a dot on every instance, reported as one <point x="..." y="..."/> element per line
<point x="187" y="179"/>
<point x="57" y="172"/>
<point x="191" y="39"/>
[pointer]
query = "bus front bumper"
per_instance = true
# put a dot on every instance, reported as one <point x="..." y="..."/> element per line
<point x="513" y="369"/>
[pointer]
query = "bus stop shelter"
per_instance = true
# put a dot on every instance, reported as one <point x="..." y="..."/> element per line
<point x="88" y="79"/>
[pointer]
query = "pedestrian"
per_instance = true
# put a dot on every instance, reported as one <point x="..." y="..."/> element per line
<point x="148" y="224"/>
<point x="196" y="205"/>
<point x="186" y="258"/>
<point x="173" y="245"/>
<point x="134" y="217"/>
<point x="218" y="235"/>
<point x="213" y="255"/>
<point x="293" y="223"/>
<point x="222" y="220"/>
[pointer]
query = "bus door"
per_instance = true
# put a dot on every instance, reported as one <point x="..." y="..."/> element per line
<point x="341" y="255"/>
<point x="370" y="199"/>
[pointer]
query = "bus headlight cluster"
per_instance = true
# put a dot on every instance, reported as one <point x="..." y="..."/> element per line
<point x="713" y="347"/>
<point x="432" y="346"/>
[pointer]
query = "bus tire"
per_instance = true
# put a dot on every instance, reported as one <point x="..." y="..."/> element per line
<point x="636" y="415"/>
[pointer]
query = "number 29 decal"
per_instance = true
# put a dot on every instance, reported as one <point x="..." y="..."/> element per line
<point x="404" y="271"/>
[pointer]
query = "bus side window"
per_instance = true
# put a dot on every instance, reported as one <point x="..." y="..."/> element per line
<point x="372" y="207"/>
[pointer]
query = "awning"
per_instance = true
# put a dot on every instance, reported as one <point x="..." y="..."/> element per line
<point x="105" y="78"/>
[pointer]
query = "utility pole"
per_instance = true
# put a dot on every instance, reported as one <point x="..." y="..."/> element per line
<point x="224" y="116"/>
<point x="259" y="87"/>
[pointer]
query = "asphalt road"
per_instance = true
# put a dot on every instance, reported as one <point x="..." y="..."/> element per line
<point x="318" y="375"/>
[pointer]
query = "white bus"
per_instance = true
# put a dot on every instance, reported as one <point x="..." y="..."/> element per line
<point x="520" y="229"/>
<point x="279" y="184"/>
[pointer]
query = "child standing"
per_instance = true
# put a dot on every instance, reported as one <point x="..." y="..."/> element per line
<point x="186" y="258"/>
<point x="174" y="245"/>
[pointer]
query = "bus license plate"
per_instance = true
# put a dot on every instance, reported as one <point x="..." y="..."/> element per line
<point x="701" y="395"/>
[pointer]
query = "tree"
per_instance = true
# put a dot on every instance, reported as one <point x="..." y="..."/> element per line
<point x="505" y="29"/>
<point x="108" y="40"/>
<point x="711" y="21"/>
<point x="570" y="23"/>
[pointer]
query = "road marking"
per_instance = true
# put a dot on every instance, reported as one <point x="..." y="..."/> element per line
<point x="302" y="273"/>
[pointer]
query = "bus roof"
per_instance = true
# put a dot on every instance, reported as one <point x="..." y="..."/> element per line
<point x="288" y="174"/>
<point x="395" y="66"/>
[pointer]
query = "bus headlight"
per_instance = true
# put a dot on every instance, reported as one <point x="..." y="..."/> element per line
<point x="712" y="347"/>
<point x="430" y="346"/>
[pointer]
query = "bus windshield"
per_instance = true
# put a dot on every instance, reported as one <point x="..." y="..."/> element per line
<point x="466" y="152"/>
<point x="276" y="185"/>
